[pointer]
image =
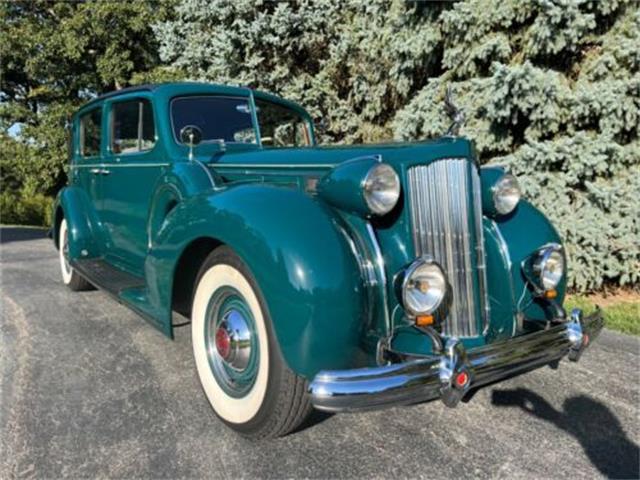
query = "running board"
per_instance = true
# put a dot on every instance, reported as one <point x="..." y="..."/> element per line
<point x="127" y="289"/>
<point x="107" y="277"/>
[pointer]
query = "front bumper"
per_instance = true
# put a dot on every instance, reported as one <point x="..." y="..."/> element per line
<point x="439" y="376"/>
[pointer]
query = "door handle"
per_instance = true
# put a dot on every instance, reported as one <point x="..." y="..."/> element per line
<point x="95" y="171"/>
<point x="104" y="171"/>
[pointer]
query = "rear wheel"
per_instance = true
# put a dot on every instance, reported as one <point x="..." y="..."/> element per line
<point x="70" y="277"/>
<point x="237" y="357"/>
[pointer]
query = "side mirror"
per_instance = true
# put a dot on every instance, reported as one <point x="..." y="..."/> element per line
<point x="191" y="136"/>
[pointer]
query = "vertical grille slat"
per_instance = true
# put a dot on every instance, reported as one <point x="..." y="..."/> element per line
<point x="446" y="216"/>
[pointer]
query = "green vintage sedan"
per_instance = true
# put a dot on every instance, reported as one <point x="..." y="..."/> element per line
<point x="341" y="278"/>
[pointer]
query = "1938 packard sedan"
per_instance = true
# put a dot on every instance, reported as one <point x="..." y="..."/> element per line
<point x="341" y="278"/>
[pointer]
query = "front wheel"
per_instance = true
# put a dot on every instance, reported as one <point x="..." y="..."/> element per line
<point x="237" y="356"/>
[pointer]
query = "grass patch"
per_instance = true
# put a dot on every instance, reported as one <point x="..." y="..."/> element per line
<point x="620" y="313"/>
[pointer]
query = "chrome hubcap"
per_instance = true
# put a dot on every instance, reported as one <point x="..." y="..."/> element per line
<point x="231" y="342"/>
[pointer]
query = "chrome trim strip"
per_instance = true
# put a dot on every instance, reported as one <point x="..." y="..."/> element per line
<point x="504" y="249"/>
<point x="366" y="266"/>
<point x="254" y="117"/>
<point x="480" y="250"/>
<point x="206" y="170"/>
<point x="444" y="205"/>
<point x="379" y="263"/>
<point x="434" y="376"/>
<point x="506" y="257"/>
<point x="121" y="165"/>
<point x="272" y="165"/>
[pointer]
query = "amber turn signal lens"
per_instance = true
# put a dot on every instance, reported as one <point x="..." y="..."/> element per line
<point x="550" y="294"/>
<point x="424" y="320"/>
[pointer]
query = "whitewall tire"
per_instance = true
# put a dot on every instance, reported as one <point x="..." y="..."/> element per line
<point x="236" y="354"/>
<point x="233" y="410"/>
<point x="70" y="277"/>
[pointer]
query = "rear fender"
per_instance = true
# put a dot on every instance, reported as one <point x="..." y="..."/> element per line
<point x="300" y="259"/>
<point x="86" y="237"/>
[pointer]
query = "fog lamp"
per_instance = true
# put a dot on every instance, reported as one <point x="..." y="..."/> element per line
<point x="545" y="269"/>
<point x="548" y="267"/>
<point x="424" y="287"/>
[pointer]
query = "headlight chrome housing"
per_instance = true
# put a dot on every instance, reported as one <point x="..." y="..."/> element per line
<point x="381" y="189"/>
<point x="548" y="267"/>
<point x="545" y="268"/>
<point x="506" y="194"/>
<point x="424" y="287"/>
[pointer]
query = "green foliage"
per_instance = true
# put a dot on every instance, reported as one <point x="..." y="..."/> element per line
<point x="54" y="56"/>
<point x="559" y="104"/>
<point x="25" y="208"/>
<point x="352" y="64"/>
<point x="549" y="87"/>
<point x="622" y="315"/>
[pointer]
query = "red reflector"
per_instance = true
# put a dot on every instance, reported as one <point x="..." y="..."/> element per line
<point x="462" y="379"/>
<point x="223" y="343"/>
<point x="585" y="340"/>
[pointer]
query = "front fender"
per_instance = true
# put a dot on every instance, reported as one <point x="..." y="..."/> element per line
<point x="85" y="231"/>
<point x="523" y="232"/>
<point x="304" y="266"/>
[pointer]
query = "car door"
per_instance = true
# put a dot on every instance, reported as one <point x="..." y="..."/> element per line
<point x="133" y="163"/>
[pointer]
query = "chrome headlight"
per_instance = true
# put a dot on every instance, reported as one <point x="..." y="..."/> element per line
<point x="506" y="194"/>
<point x="548" y="267"/>
<point x="424" y="287"/>
<point x="381" y="189"/>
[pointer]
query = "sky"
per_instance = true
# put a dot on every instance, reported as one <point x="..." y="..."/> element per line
<point x="14" y="130"/>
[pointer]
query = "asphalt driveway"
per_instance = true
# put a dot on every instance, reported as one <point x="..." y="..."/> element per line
<point x="90" y="390"/>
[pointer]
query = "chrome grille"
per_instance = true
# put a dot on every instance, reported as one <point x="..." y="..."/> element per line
<point x="446" y="214"/>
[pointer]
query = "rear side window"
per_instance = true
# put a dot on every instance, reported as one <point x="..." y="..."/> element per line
<point x="132" y="127"/>
<point x="90" y="133"/>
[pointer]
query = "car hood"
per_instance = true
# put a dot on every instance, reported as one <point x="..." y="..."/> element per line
<point x="325" y="157"/>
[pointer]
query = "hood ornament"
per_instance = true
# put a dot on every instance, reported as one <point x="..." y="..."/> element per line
<point x="454" y="113"/>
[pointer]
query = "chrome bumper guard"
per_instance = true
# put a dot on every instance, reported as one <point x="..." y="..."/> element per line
<point x="439" y="376"/>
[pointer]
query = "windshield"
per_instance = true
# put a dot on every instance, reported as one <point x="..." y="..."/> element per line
<point x="219" y="118"/>
<point x="229" y="119"/>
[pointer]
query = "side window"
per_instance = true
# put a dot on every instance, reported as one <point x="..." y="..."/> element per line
<point x="90" y="133"/>
<point x="281" y="126"/>
<point x="132" y="127"/>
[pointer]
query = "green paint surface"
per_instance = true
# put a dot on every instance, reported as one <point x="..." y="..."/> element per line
<point x="297" y="221"/>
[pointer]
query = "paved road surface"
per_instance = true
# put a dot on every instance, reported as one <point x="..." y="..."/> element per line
<point x="90" y="390"/>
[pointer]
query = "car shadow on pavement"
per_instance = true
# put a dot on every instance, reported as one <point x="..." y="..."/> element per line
<point x="596" y="428"/>
<point x="20" y="234"/>
<point x="315" y="417"/>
